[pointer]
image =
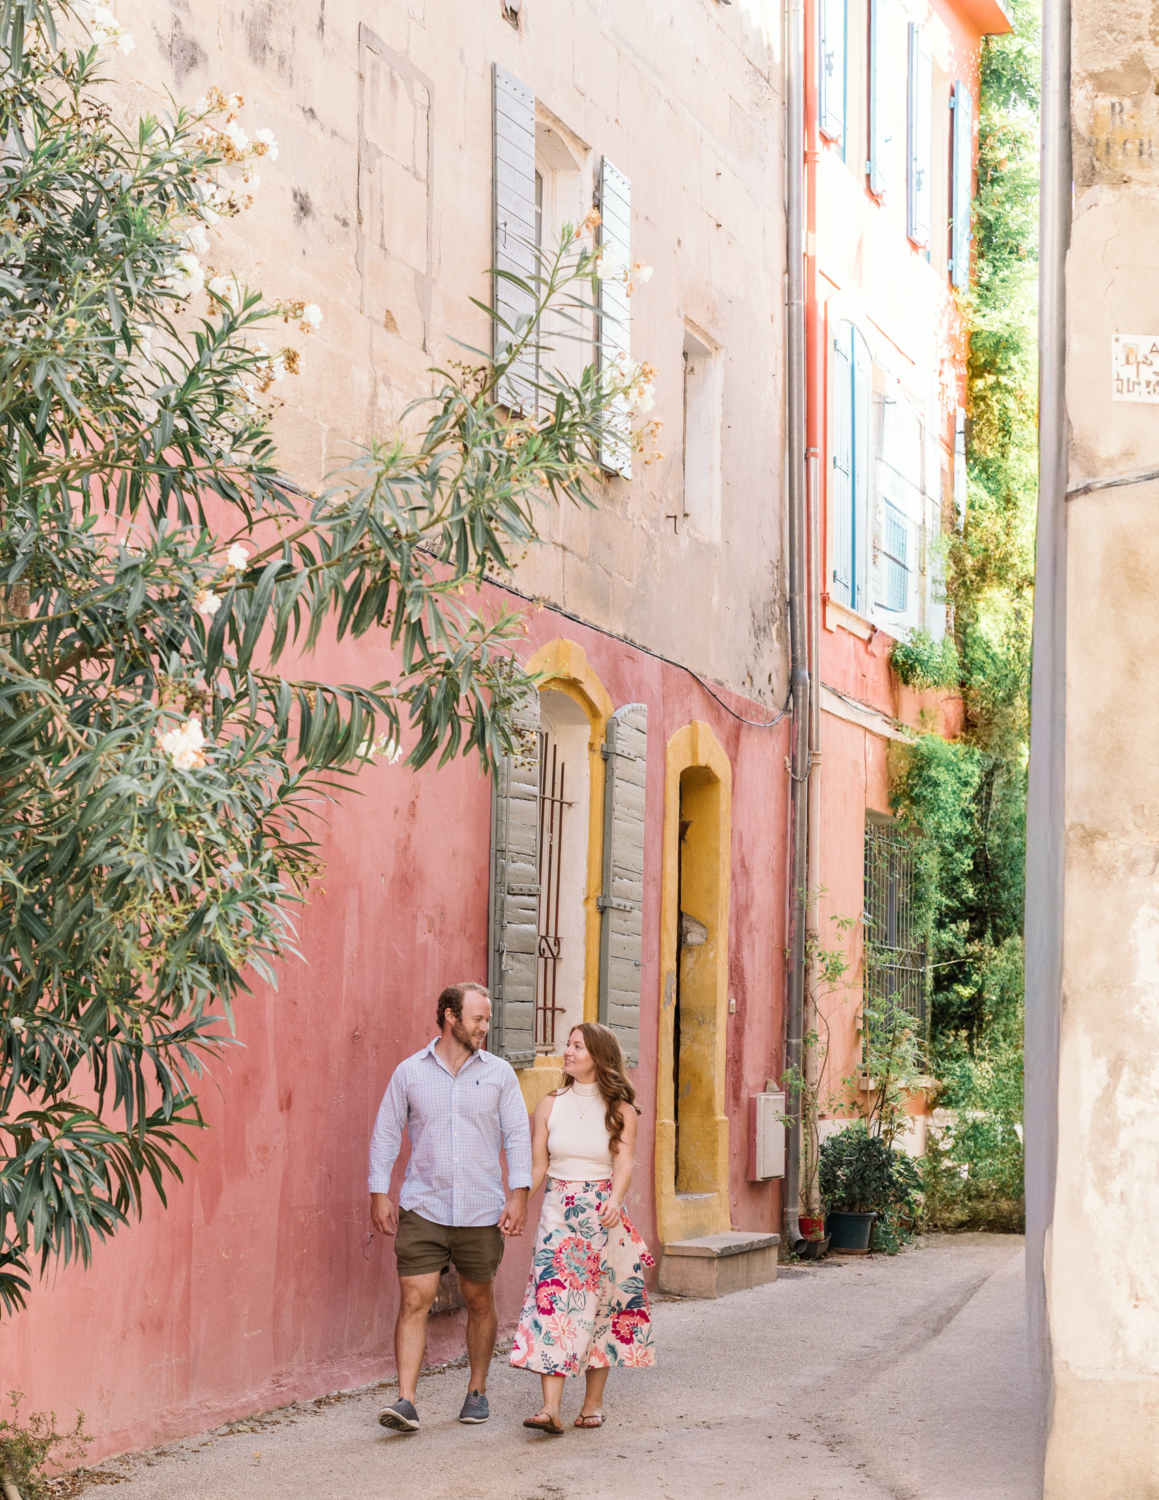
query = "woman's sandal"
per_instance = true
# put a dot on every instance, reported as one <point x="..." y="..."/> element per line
<point x="542" y="1422"/>
<point x="591" y="1419"/>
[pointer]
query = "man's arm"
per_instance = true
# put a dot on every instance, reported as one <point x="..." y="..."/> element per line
<point x="517" y="1145"/>
<point x="385" y="1144"/>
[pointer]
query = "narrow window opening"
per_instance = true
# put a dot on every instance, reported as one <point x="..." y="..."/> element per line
<point x="701" y="434"/>
<point x="563" y="855"/>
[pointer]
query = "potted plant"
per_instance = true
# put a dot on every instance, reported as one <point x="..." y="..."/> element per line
<point x="861" y="1176"/>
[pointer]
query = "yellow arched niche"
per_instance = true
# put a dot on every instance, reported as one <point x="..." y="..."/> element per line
<point x="562" y="667"/>
<point x="698" y="1204"/>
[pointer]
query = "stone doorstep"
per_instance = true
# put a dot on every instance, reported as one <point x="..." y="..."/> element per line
<point x="716" y="1264"/>
<point x="714" y="1246"/>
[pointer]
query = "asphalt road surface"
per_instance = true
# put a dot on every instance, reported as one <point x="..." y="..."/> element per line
<point x="904" y="1378"/>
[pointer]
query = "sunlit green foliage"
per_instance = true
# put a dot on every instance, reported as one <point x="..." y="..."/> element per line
<point x="969" y="798"/>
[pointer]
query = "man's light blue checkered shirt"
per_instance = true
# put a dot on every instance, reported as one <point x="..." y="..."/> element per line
<point x="456" y="1124"/>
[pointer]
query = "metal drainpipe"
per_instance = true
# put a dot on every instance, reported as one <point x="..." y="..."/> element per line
<point x="798" y="573"/>
<point x="813" y="918"/>
<point x="1045" y="850"/>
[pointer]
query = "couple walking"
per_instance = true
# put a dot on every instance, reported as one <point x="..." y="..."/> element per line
<point x="586" y="1307"/>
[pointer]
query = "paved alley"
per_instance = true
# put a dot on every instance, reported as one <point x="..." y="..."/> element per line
<point x="903" y="1378"/>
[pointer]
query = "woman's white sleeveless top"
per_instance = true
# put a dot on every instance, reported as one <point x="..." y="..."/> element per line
<point x="577" y="1137"/>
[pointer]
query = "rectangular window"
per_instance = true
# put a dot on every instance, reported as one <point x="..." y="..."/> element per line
<point x="701" y="436"/>
<point x="895" y="559"/>
<point x="921" y="85"/>
<point x="961" y="185"/>
<point x="896" y="963"/>
<point x="831" y="49"/>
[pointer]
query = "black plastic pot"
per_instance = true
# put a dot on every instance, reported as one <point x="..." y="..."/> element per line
<point x="849" y="1233"/>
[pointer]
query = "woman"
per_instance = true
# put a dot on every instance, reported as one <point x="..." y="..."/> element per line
<point x="586" y="1306"/>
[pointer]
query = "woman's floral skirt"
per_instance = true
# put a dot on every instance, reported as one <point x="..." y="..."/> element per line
<point x="586" y="1307"/>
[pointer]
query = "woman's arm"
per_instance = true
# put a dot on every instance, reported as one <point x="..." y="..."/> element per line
<point x="539" y="1143"/>
<point x="622" y="1164"/>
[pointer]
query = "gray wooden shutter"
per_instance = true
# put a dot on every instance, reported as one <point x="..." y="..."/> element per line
<point x="921" y="89"/>
<point x="513" y="926"/>
<point x="961" y="191"/>
<point x="875" y="166"/>
<point x="615" y="341"/>
<point x="831" y="54"/>
<point x="841" y="469"/>
<point x="621" y="901"/>
<point x="513" y="222"/>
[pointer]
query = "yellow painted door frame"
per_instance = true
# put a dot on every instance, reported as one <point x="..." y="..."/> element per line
<point x="698" y="1203"/>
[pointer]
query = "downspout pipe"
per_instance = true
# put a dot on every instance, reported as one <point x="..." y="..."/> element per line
<point x="798" y="602"/>
<point x="1045" y="868"/>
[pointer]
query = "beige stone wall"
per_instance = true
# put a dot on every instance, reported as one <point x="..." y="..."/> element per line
<point x="379" y="209"/>
<point x="1102" y="1253"/>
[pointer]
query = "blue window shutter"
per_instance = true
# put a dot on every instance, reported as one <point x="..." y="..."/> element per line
<point x="962" y="186"/>
<point x="875" y="166"/>
<point x="841" y="468"/>
<point x="513" y="223"/>
<point x="862" y="405"/>
<point x="921" y="86"/>
<point x="831" y="67"/>
<point x="895" y="547"/>
<point x="615" y="343"/>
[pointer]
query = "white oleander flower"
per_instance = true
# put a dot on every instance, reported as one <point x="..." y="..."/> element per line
<point x="228" y="289"/>
<point x="641" y="273"/>
<point x="207" y="604"/>
<point x="107" y="31"/>
<point x="185" y="745"/>
<point x="18" y="1025"/>
<point x="311" y="317"/>
<point x="265" y="138"/>
<point x="234" y="132"/>
<point x="195" y="238"/>
<point x="383" y="748"/>
<point x="237" y="557"/>
<point x="188" y="276"/>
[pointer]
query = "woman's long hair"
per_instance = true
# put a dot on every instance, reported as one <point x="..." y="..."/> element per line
<point x="611" y="1077"/>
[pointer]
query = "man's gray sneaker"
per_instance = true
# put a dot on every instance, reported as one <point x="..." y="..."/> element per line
<point x="475" y="1408"/>
<point x="401" y="1416"/>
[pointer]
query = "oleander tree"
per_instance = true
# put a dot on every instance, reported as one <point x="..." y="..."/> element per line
<point x="162" y="584"/>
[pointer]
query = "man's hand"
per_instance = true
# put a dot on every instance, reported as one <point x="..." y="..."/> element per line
<point x="514" y="1215"/>
<point x="384" y="1215"/>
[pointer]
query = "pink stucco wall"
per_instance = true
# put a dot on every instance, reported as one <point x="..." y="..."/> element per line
<point x="261" y="1283"/>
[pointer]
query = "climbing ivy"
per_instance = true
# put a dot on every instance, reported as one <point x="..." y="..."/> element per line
<point x="966" y="798"/>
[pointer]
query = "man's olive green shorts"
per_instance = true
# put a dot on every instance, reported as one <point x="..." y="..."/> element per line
<point x="423" y="1247"/>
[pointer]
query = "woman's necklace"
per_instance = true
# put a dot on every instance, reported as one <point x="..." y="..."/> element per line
<point x="583" y="1113"/>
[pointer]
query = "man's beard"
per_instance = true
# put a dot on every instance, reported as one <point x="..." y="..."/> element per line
<point x="464" y="1037"/>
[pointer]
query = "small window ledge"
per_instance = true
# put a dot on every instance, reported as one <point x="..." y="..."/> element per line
<point x="848" y="619"/>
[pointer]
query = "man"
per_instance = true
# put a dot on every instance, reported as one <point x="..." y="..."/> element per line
<point x="460" y="1105"/>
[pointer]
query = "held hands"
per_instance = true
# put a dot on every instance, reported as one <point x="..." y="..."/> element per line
<point x="514" y="1216"/>
<point x="383" y="1214"/>
<point x="610" y="1214"/>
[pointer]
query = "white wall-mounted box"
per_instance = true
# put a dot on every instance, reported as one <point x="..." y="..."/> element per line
<point x="766" y="1136"/>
